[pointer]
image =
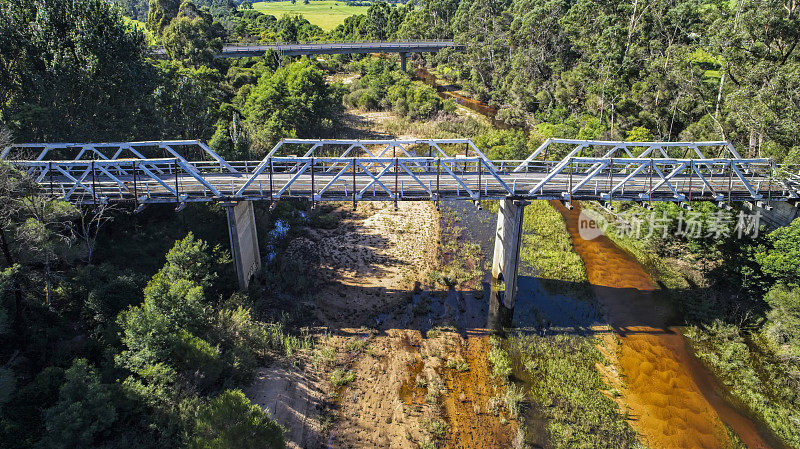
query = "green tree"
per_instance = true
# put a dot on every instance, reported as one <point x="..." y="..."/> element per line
<point x="503" y="144"/>
<point x="194" y="260"/>
<point x="187" y="100"/>
<point x="72" y="70"/>
<point x="783" y="320"/>
<point x="377" y="23"/>
<point x="781" y="261"/>
<point x="192" y="36"/>
<point x="294" y="28"/>
<point x="639" y="134"/>
<point x="161" y="13"/>
<point x="293" y="101"/>
<point x="46" y="233"/>
<point x="758" y="41"/>
<point x="428" y="19"/>
<point x="171" y="336"/>
<point x="14" y="187"/>
<point x="230" y="421"/>
<point x="83" y="412"/>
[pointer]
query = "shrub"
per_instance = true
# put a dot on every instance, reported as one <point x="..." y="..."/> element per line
<point x="84" y="409"/>
<point x="458" y="364"/>
<point x="340" y="378"/>
<point x="231" y="421"/>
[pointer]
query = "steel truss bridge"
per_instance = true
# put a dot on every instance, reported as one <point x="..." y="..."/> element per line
<point x="400" y="170"/>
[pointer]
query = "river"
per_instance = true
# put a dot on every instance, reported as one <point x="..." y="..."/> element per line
<point x="673" y="399"/>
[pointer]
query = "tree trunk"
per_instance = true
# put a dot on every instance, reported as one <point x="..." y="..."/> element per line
<point x="6" y="250"/>
<point x="15" y="286"/>
<point x="719" y="94"/>
<point x="47" y="277"/>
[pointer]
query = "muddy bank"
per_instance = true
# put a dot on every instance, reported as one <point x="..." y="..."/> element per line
<point x="669" y="395"/>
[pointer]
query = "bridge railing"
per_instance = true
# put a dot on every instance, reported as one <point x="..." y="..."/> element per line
<point x="560" y="149"/>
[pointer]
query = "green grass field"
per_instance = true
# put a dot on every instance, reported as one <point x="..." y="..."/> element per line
<point x="327" y="14"/>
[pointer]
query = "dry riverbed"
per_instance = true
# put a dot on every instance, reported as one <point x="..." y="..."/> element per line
<point x="399" y="362"/>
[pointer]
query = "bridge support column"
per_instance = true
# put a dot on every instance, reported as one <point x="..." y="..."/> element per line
<point x="508" y="239"/>
<point x="244" y="241"/>
<point x="403" y="57"/>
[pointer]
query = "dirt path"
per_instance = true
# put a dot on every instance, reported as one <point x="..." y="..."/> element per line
<point x="293" y="397"/>
<point x="671" y="403"/>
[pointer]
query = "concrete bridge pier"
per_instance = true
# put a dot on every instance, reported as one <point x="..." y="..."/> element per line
<point x="244" y="240"/>
<point x="508" y="239"/>
<point x="403" y="57"/>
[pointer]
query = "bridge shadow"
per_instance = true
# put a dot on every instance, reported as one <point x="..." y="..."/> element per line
<point x="346" y="278"/>
<point x="544" y="307"/>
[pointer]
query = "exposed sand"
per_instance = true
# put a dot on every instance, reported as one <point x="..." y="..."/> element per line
<point x="371" y="263"/>
<point x="368" y="265"/>
<point x="466" y="404"/>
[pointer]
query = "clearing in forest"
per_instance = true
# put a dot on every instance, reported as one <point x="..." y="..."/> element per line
<point x="326" y="14"/>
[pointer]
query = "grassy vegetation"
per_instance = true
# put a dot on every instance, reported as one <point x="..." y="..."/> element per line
<point x="566" y="385"/>
<point x="355" y="346"/>
<point x="742" y="362"/>
<point x="279" y="339"/>
<point x="435" y="427"/>
<point x="340" y="378"/>
<point x="326" y="14"/>
<point x="458" y="364"/>
<point x="427" y="444"/>
<point x="460" y="260"/>
<point x="547" y="245"/>
<point x="498" y="357"/>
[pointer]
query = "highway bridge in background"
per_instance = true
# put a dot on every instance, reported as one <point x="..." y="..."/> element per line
<point x="403" y="47"/>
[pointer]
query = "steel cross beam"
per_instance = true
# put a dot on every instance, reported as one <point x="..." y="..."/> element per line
<point x="609" y="149"/>
<point x="401" y="170"/>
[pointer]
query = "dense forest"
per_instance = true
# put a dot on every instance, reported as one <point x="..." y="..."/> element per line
<point x="697" y="70"/>
<point x="692" y="70"/>
<point x="98" y="351"/>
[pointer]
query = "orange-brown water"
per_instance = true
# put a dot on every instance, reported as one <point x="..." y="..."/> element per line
<point x="465" y="401"/>
<point x="446" y="91"/>
<point x="670" y="395"/>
